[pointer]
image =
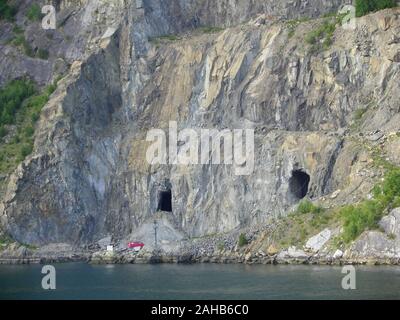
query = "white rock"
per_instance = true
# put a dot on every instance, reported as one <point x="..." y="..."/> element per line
<point x="335" y="194"/>
<point x="318" y="241"/>
<point x="338" y="254"/>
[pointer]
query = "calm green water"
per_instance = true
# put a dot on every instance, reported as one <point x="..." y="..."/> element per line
<point x="83" y="281"/>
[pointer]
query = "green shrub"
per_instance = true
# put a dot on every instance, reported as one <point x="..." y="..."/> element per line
<point x="366" y="215"/>
<point x="17" y="29"/>
<point x="34" y="12"/>
<point x="307" y="206"/>
<point x="11" y="98"/>
<point x="35" y="116"/>
<point x="322" y="35"/>
<point x="20" y="41"/>
<point x="29" y="131"/>
<point x="242" y="240"/>
<point x="3" y="131"/>
<point x="364" y="7"/>
<point x="358" y="218"/>
<point x="7" y="12"/>
<point x="26" y="150"/>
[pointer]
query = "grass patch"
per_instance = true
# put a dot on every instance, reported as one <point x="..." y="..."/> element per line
<point x="293" y="24"/>
<point x="168" y="37"/>
<point x="298" y="227"/>
<point x="366" y="215"/>
<point x="20" y="42"/>
<point x="209" y="30"/>
<point x="321" y="38"/>
<point x="364" y="7"/>
<point x="17" y="29"/>
<point x="34" y="12"/>
<point x="221" y="246"/>
<point x="307" y="206"/>
<point x="359" y="113"/>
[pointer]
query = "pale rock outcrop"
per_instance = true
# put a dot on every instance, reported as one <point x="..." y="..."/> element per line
<point x="316" y="242"/>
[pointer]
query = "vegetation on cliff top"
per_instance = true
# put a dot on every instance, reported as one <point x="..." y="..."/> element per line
<point x="20" y="107"/>
<point x="364" y="7"/>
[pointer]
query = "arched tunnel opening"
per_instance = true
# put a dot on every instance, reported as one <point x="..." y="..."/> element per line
<point x="165" y="201"/>
<point x="299" y="183"/>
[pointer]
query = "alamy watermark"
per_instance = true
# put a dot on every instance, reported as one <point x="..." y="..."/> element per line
<point x="49" y="21"/>
<point x="349" y="281"/>
<point x="49" y="280"/>
<point x="202" y="147"/>
<point x="348" y="13"/>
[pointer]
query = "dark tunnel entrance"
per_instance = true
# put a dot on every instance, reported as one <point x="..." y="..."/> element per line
<point x="298" y="184"/>
<point x="165" y="201"/>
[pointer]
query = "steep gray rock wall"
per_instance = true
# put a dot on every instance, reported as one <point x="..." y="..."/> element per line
<point x="62" y="186"/>
<point x="88" y="176"/>
<point x="177" y="15"/>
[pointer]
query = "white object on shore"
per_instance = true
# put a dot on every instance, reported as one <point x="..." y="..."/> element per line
<point x="338" y="254"/>
<point x="110" y="248"/>
<point x="318" y="241"/>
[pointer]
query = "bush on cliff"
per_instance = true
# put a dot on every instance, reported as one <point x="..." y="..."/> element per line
<point x="307" y="206"/>
<point x="11" y="98"/>
<point x="367" y="214"/>
<point x="242" y="240"/>
<point x="7" y="11"/>
<point x="20" y="106"/>
<point x="364" y="7"/>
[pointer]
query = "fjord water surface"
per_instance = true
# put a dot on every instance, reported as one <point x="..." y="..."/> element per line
<point x="199" y="281"/>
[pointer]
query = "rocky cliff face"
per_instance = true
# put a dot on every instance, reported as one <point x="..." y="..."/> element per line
<point x="88" y="176"/>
